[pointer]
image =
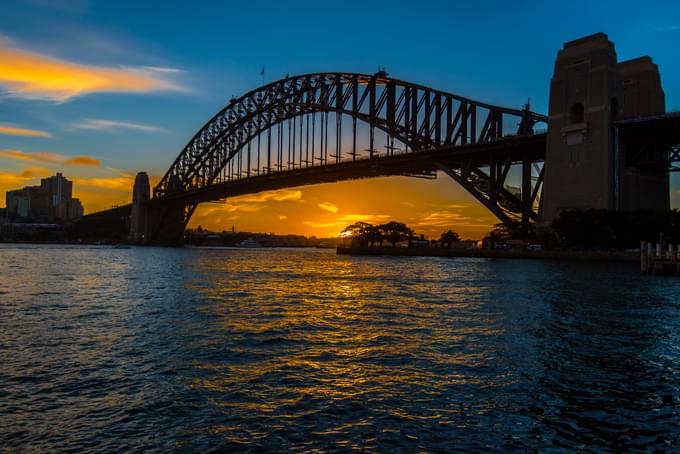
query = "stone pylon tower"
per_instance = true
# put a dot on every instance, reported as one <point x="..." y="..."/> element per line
<point x="642" y="188"/>
<point x="584" y="93"/>
<point x="139" y="221"/>
<point x="585" y="165"/>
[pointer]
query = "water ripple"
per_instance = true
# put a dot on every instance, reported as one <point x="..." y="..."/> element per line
<point x="302" y="350"/>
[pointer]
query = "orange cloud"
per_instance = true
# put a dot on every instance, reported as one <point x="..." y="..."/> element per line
<point x="328" y="206"/>
<point x="117" y="183"/>
<point x="365" y="218"/>
<point x="247" y="207"/>
<point x="12" y="131"/>
<point x="83" y="161"/>
<point x="48" y="157"/>
<point x="322" y="225"/>
<point x="34" y="76"/>
<point x="10" y="180"/>
<point x="41" y="156"/>
<point x="279" y="195"/>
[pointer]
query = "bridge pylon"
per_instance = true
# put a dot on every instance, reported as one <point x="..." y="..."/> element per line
<point x="586" y="166"/>
<point x="154" y="223"/>
<point x="139" y="218"/>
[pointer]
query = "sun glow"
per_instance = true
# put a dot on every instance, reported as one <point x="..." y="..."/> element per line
<point x="429" y="207"/>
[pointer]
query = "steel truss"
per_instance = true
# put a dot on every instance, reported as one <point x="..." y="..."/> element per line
<point x="420" y="118"/>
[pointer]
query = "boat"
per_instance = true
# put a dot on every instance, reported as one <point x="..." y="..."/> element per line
<point x="249" y="243"/>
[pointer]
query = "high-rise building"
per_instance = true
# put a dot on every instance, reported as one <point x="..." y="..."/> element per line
<point x="58" y="187"/>
<point x="45" y="203"/>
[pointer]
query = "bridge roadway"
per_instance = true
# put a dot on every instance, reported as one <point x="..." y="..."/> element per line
<point x="510" y="149"/>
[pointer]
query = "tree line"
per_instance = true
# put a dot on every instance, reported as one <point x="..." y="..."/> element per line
<point x="364" y="234"/>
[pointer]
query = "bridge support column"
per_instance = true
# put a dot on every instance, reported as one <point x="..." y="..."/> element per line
<point x="580" y="163"/>
<point x="154" y="223"/>
<point x="139" y="218"/>
<point x="166" y="224"/>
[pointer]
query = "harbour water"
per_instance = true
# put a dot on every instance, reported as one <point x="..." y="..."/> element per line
<point x="273" y="349"/>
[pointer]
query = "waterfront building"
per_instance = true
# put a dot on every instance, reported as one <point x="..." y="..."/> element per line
<point x="28" y="202"/>
<point x="68" y="210"/>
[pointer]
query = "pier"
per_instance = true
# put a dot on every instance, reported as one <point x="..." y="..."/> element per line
<point x="657" y="260"/>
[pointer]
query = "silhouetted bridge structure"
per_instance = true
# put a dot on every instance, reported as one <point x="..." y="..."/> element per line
<point x="329" y="127"/>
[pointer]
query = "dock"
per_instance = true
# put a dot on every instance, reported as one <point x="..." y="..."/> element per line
<point x="657" y="260"/>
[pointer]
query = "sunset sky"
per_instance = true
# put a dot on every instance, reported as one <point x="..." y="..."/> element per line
<point x="102" y="90"/>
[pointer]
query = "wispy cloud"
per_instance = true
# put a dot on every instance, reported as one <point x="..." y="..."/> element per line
<point x="365" y="218"/>
<point x="232" y="207"/>
<point x="667" y="28"/>
<point x="441" y="219"/>
<point x="12" y="131"/>
<point x="252" y="203"/>
<point x="328" y="206"/>
<point x="281" y="217"/>
<point x="111" y="125"/>
<point x="35" y="172"/>
<point x="12" y="180"/>
<point x="279" y="195"/>
<point x="49" y="157"/>
<point x="322" y="225"/>
<point x="31" y="75"/>
<point x="247" y="207"/>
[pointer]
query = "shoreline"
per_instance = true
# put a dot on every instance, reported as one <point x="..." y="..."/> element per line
<point x="582" y="256"/>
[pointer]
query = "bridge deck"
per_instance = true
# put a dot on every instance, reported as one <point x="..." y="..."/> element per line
<point x="513" y="149"/>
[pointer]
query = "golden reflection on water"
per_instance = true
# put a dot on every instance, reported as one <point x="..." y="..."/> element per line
<point x="318" y="330"/>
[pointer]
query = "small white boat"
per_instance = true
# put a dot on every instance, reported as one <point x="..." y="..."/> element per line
<point x="249" y="243"/>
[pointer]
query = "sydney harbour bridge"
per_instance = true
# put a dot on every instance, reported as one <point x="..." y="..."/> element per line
<point x="607" y="143"/>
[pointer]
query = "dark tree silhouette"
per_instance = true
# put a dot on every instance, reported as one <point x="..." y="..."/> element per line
<point x="449" y="237"/>
<point x="396" y="231"/>
<point x="360" y="232"/>
<point x="502" y="233"/>
<point x="374" y="233"/>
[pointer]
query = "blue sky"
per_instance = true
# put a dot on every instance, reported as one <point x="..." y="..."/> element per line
<point x="202" y="53"/>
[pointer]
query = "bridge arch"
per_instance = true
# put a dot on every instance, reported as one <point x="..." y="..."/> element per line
<point x="420" y="118"/>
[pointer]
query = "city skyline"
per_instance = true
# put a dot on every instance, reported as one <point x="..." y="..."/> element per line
<point x="84" y="97"/>
<point x="51" y="200"/>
